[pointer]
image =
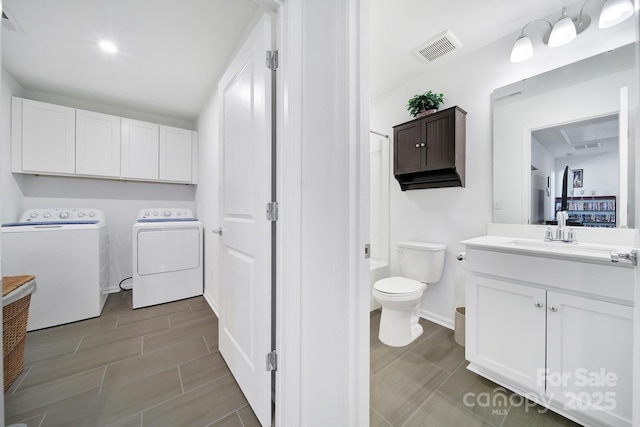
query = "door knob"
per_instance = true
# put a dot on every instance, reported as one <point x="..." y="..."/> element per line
<point x="217" y="231"/>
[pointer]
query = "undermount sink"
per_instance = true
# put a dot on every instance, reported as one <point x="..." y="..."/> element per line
<point x="585" y="252"/>
<point x="571" y="248"/>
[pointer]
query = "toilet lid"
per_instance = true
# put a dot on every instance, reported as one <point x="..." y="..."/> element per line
<point x="398" y="285"/>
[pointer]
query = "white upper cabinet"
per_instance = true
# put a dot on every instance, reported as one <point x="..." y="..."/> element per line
<point x="139" y="150"/>
<point x="97" y="144"/>
<point x="48" y="137"/>
<point x="51" y="139"/>
<point x="175" y="154"/>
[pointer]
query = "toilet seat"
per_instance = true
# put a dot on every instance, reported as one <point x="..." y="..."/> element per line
<point x="398" y="288"/>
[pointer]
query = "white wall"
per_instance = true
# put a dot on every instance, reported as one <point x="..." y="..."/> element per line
<point x="599" y="174"/>
<point x="10" y="184"/>
<point x="207" y="194"/>
<point x="449" y="215"/>
<point x="120" y="200"/>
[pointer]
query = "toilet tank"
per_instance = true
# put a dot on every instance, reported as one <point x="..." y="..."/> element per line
<point x="422" y="261"/>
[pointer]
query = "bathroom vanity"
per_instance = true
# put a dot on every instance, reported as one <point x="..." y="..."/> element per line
<point x="553" y="321"/>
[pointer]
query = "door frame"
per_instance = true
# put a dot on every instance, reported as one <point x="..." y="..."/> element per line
<point x="300" y="385"/>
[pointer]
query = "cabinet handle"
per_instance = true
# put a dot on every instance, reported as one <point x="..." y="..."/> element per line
<point x="538" y="304"/>
<point x="553" y="308"/>
<point x="422" y="145"/>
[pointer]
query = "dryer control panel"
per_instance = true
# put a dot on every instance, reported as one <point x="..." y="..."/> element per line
<point x="166" y="214"/>
<point x="63" y="215"/>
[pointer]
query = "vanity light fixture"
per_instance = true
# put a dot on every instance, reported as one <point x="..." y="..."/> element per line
<point x="523" y="48"/>
<point x="614" y="12"/>
<point x="563" y="31"/>
<point x="566" y="28"/>
<point x="108" y="46"/>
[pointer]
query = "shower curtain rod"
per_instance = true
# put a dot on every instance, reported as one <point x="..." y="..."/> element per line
<point x="379" y="134"/>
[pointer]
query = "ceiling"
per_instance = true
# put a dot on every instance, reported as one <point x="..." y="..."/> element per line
<point x="585" y="137"/>
<point x="399" y="26"/>
<point x="173" y="52"/>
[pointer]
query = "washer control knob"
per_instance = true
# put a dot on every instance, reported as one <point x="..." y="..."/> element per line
<point x="155" y="213"/>
<point x="167" y="213"/>
<point x="92" y="214"/>
<point x="178" y="213"/>
<point x="64" y="215"/>
<point x="146" y="213"/>
<point x="34" y="215"/>
<point x="47" y="215"/>
<point x="80" y="214"/>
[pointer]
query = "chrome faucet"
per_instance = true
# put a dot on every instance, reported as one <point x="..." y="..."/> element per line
<point x="562" y="234"/>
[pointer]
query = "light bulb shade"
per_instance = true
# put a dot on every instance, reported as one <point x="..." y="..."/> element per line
<point x="563" y="31"/>
<point x="522" y="49"/>
<point x="614" y="12"/>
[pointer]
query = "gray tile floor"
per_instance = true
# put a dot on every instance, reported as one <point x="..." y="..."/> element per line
<point x="156" y="366"/>
<point x="427" y="384"/>
<point x="160" y="366"/>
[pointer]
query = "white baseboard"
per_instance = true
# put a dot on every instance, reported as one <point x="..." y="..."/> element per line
<point x="209" y="301"/>
<point x="113" y="289"/>
<point x="436" y="318"/>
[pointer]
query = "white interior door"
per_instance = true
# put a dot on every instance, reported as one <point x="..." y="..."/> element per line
<point x="246" y="174"/>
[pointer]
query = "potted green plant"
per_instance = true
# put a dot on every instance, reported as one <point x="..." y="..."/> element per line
<point x="427" y="103"/>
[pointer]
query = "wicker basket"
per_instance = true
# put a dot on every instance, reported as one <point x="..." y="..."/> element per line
<point x="14" y="327"/>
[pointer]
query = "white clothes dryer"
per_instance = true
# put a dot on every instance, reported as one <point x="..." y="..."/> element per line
<point x="167" y="256"/>
<point x="67" y="251"/>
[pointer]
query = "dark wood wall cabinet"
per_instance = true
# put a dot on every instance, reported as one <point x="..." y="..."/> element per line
<point x="429" y="152"/>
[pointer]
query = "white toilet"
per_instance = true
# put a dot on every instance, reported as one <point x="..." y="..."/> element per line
<point x="420" y="263"/>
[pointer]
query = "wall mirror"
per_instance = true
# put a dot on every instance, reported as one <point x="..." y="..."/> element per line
<point x="575" y="116"/>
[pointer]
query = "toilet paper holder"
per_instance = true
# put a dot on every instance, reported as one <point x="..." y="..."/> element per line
<point x="461" y="256"/>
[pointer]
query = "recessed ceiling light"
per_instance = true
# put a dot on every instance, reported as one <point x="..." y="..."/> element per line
<point x="108" y="46"/>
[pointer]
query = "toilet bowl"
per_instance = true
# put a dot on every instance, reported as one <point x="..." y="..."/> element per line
<point x="400" y="296"/>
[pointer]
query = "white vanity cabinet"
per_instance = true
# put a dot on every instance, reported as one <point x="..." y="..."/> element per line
<point x="43" y="138"/>
<point x="175" y="155"/>
<point x="556" y="331"/>
<point x="139" y="150"/>
<point x="97" y="144"/>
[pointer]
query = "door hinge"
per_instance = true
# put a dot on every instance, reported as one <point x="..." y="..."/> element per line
<point x="272" y="60"/>
<point x="272" y="361"/>
<point x="272" y="211"/>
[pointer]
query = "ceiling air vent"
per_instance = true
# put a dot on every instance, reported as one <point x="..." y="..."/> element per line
<point x="441" y="44"/>
<point x="9" y="22"/>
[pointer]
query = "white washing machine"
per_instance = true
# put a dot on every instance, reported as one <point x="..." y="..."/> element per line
<point x="68" y="252"/>
<point x="167" y="256"/>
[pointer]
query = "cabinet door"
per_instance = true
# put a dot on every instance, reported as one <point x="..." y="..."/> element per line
<point x="506" y="329"/>
<point x="139" y="149"/>
<point x="175" y="154"/>
<point x="97" y="144"/>
<point x="439" y="133"/>
<point x="589" y="356"/>
<point x="48" y="138"/>
<point x="407" y="148"/>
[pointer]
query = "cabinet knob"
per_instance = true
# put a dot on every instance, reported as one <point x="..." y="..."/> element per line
<point x="417" y="145"/>
<point x="538" y="304"/>
<point x="553" y="308"/>
<point x="422" y="145"/>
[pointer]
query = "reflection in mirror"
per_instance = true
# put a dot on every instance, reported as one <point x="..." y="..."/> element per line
<point x="578" y="105"/>
<point x="590" y="149"/>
